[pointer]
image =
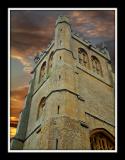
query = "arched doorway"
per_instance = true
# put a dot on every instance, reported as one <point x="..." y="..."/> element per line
<point x="101" y="139"/>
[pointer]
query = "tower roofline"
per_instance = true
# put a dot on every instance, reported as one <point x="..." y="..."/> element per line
<point x="44" y="55"/>
<point x="63" y="19"/>
<point x="76" y="37"/>
<point x="89" y="44"/>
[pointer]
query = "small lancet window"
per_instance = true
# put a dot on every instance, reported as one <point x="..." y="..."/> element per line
<point x="58" y="108"/>
<point x="59" y="77"/>
<point x="56" y="144"/>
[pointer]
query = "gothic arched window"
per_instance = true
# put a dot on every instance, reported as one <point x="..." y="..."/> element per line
<point x="42" y="71"/>
<point x="101" y="139"/>
<point x="96" y="66"/>
<point x="50" y="62"/>
<point x="40" y="107"/>
<point x="83" y="57"/>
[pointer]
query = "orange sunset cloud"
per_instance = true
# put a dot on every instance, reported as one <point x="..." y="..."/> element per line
<point x="17" y="100"/>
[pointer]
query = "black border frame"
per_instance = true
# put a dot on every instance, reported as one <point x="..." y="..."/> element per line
<point x="4" y="79"/>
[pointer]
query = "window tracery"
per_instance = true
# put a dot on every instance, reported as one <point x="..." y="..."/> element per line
<point x="102" y="141"/>
<point x="83" y="57"/>
<point x="96" y="66"/>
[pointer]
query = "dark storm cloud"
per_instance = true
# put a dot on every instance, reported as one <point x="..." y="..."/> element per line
<point x="26" y="40"/>
<point x="31" y="29"/>
<point x="34" y="29"/>
<point x="94" y="24"/>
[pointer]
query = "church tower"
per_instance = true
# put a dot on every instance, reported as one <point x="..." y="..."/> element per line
<point x="70" y="103"/>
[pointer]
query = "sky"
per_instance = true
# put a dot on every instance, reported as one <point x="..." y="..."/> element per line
<point x="31" y="31"/>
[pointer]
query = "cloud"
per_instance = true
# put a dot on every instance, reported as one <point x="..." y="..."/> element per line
<point x="12" y="132"/>
<point x="94" y="24"/>
<point x="12" y="118"/>
<point x="31" y="29"/>
<point x="36" y="28"/>
<point x="18" y="55"/>
<point x="30" y="33"/>
<point x="17" y="98"/>
<point x="14" y="121"/>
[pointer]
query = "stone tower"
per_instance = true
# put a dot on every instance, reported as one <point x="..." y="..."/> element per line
<point x="70" y="103"/>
